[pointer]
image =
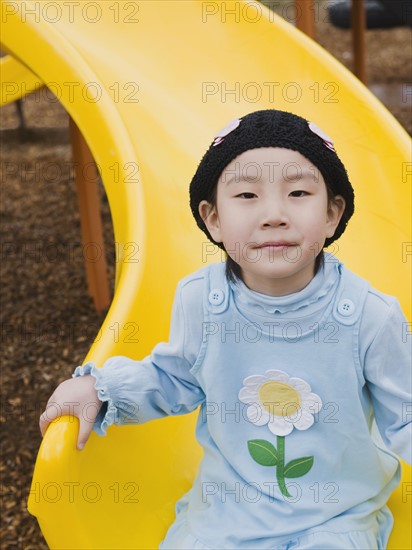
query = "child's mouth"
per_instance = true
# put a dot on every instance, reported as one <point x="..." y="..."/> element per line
<point x="276" y="245"/>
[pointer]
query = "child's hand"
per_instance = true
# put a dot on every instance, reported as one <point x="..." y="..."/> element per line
<point x="76" y="397"/>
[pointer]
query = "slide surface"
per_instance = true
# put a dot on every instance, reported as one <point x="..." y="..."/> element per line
<point x="149" y="83"/>
<point x="16" y="80"/>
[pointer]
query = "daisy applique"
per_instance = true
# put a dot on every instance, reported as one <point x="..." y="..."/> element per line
<point x="281" y="403"/>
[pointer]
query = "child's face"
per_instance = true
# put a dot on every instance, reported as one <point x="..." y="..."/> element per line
<point x="273" y="217"/>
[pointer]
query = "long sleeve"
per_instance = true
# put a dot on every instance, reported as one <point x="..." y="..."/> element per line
<point x="387" y="370"/>
<point x="134" y="392"/>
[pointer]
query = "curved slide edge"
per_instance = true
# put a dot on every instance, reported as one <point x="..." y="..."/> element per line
<point x="17" y="80"/>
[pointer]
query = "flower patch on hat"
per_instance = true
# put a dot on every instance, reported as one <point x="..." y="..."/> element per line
<point x="220" y="136"/>
<point x="324" y="137"/>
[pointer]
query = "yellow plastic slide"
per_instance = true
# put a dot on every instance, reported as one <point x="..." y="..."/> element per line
<point x="149" y="83"/>
<point x="16" y="80"/>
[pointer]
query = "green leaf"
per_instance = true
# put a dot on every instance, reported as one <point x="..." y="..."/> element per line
<point x="263" y="452"/>
<point x="299" y="467"/>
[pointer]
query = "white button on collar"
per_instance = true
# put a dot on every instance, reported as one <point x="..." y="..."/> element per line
<point x="216" y="296"/>
<point x="346" y="307"/>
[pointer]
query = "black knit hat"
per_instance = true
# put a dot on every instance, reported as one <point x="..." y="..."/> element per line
<point x="271" y="128"/>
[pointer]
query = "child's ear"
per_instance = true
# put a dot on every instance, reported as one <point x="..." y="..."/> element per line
<point x="336" y="208"/>
<point x="209" y="215"/>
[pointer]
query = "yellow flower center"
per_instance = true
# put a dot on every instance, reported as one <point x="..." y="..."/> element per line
<point x="279" y="399"/>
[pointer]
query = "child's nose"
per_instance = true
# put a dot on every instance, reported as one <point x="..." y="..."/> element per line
<point x="274" y="214"/>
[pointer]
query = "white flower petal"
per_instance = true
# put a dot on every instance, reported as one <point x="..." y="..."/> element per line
<point x="248" y="395"/>
<point x="311" y="408"/>
<point x="304" y="421"/>
<point x="299" y="384"/>
<point x="278" y="375"/>
<point x="292" y="412"/>
<point x="312" y="402"/>
<point x="254" y="380"/>
<point x="279" y="426"/>
<point x="315" y="397"/>
<point x="257" y="415"/>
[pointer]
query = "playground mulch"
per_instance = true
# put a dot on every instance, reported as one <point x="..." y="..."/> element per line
<point x="48" y="319"/>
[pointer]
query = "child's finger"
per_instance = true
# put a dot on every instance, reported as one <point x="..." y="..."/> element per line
<point x="85" y="429"/>
<point x="53" y="411"/>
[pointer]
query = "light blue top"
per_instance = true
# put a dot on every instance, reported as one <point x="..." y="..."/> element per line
<point x="288" y="389"/>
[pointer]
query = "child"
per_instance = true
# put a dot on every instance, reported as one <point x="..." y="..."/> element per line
<point x="289" y="355"/>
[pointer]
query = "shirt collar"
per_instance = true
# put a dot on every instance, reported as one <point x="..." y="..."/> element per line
<point x="318" y="287"/>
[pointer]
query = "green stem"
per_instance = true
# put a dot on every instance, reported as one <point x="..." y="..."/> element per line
<point x="280" y="470"/>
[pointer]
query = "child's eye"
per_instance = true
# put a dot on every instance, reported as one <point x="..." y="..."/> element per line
<point x="246" y="195"/>
<point x="299" y="193"/>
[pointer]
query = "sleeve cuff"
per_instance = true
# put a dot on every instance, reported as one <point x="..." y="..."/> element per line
<point x="108" y="412"/>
